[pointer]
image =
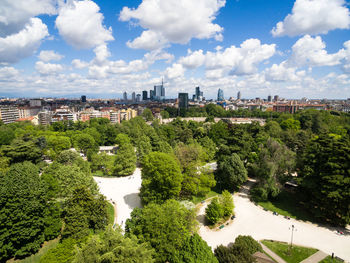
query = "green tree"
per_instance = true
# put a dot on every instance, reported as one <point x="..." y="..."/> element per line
<point x="196" y="250"/>
<point x="165" y="114"/>
<point x="231" y="173"/>
<point x="147" y="114"/>
<point x="58" y="143"/>
<point x="85" y="142"/>
<point x="325" y="178"/>
<point x="165" y="227"/>
<point x="102" y="162"/>
<point x="290" y="124"/>
<point x="209" y="147"/>
<point x="20" y="151"/>
<point x="226" y="201"/>
<point x="125" y="160"/>
<point x="161" y="178"/>
<point x="112" y="247"/>
<point x="6" y="135"/>
<point x="214" y="211"/>
<point x="63" y="253"/>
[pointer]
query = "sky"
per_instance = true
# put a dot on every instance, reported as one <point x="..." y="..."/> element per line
<point x="101" y="48"/>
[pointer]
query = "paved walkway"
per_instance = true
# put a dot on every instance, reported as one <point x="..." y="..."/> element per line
<point x="315" y="258"/>
<point x="276" y="257"/>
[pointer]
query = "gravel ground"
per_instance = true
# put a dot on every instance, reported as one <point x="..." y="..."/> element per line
<point x="253" y="220"/>
<point x="124" y="192"/>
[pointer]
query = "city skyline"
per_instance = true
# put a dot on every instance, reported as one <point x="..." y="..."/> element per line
<point x="104" y="48"/>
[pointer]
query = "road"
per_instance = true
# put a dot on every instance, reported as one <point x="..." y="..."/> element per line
<point x="253" y="220"/>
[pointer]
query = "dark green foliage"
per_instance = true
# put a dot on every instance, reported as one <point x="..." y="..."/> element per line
<point x="20" y="151"/>
<point x="125" y="160"/>
<point x="214" y="211"/>
<point x="231" y="173"/>
<point x="166" y="227"/>
<point x="63" y="253"/>
<point x="161" y="178"/>
<point x="85" y="142"/>
<point x="6" y="135"/>
<point x="25" y="216"/>
<point x="196" y="250"/>
<point x="84" y="211"/>
<point x="240" y="252"/>
<point x="102" y="162"/>
<point x="147" y="114"/>
<point x="326" y="179"/>
<point x="112" y="247"/>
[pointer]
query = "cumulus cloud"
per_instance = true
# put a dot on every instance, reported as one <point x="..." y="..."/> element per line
<point x="8" y="73"/>
<point x="80" y="24"/>
<point x="48" y="68"/>
<point x="15" y="14"/>
<point x="237" y="60"/>
<point x="282" y="72"/>
<point x="314" y="17"/>
<point x="311" y="51"/>
<point x="173" y="21"/>
<point x="79" y="64"/>
<point x="48" y="55"/>
<point x="175" y="71"/>
<point x="23" y="44"/>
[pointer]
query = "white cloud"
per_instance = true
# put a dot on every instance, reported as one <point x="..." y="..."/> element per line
<point x="24" y="43"/>
<point x="173" y="21"/>
<point x="175" y="71"/>
<point x="79" y="64"/>
<point x="48" y="55"/>
<point x="282" y="72"/>
<point x="314" y="17"/>
<point x="193" y="59"/>
<point x="7" y="73"/>
<point x="214" y="73"/>
<point x="236" y="60"/>
<point x="80" y="24"/>
<point x="14" y="14"/>
<point x="48" y="68"/>
<point x="309" y="51"/>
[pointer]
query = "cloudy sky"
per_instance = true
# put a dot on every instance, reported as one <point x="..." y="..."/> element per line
<point x="101" y="48"/>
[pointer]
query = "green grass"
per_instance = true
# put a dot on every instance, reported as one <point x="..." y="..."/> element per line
<point x="329" y="259"/>
<point x="36" y="257"/>
<point x="110" y="211"/>
<point x="296" y="255"/>
<point x="198" y="199"/>
<point x="288" y="204"/>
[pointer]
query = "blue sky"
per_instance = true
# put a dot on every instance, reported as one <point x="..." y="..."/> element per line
<point x="58" y="48"/>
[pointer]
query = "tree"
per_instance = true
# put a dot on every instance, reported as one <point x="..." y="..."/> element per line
<point x="290" y="124"/>
<point x="147" y="115"/>
<point x="214" y="211"/>
<point x="20" y="151"/>
<point x="226" y="201"/>
<point x="23" y="209"/>
<point x="85" y="142"/>
<point x="231" y="173"/>
<point x="58" y="143"/>
<point x="209" y="146"/>
<point x="219" y="132"/>
<point x="6" y="135"/>
<point x="102" y="162"/>
<point x="161" y="178"/>
<point x="112" y="247"/>
<point x="165" y="227"/>
<point x="63" y="253"/>
<point x="325" y="178"/>
<point x="165" y="114"/>
<point x="83" y="211"/>
<point x="196" y="250"/>
<point x="125" y="160"/>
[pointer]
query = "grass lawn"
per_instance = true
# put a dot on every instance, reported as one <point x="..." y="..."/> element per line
<point x="282" y="249"/>
<point x="329" y="259"/>
<point x="288" y="204"/>
<point x="36" y="257"/>
<point x="110" y="210"/>
<point x="198" y="199"/>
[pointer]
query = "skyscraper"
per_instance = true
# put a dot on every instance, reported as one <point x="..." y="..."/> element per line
<point x="125" y="96"/>
<point x="133" y="96"/>
<point x="183" y="100"/>
<point x="159" y="92"/>
<point x="276" y="98"/>
<point x="151" y="94"/>
<point x="144" y="95"/>
<point x="83" y="98"/>
<point x="138" y="97"/>
<point x="269" y="98"/>
<point x="198" y="94"/>
<point x="238" y="95"/>
<point x="220" y="95"/>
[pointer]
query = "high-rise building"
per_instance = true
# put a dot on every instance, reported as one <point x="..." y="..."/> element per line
<point x="8" y="114"/>
<point x="269" y="98"/>
<point x="159" y="92"/>
<point x="133" y="96"/>
<point x="198" y="94"/>
<point x="138" y="97"/>
<point x="276" y="98"/>
<point x="35" y="103"/>
<point x="125" y="96"/>
<point x="183" y="100"/>
<point x="83" y="99"/>
<point x="238" y="95"/>
<point x="220" y="95"/>
<point x="144" y="95"/>
<point x="151" y="94"/>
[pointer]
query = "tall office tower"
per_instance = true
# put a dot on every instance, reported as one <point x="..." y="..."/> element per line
<point x="238" y="95"/>
<point x="125" y="96"/>
<point x="183" y="100"/>
<point x="83" y="98"/>
<point x="220" y="95"/>
<point x="133" y="96"/>
<point x="144" y="95"/>
<point x="151" y="94"/>
<point x="198" y="94"/>
<point x="269" y="98"/>
<point x="138" y="97"/>
<point x="276" y="98"/>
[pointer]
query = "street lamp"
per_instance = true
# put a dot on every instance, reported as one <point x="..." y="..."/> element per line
<point x="291" y="241"/>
